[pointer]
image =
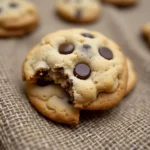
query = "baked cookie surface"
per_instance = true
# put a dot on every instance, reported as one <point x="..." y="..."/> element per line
<point x="81" y="11"/>
<point x="85" y="63"/>
<point x="17" y="17"/>
<point x="53" y="102"/>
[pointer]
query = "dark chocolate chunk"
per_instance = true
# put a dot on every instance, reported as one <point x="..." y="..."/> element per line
<point x="70" y="102"/>
<point x="71" y="99"/>
<point x="66" y="48"/>
<point x="78" y="13"/>
<point x="88" y="35"/>
<point x="13" y="5"/>
<point x="86" y="47"/>
<point x="42" y="73"/>
<point x="82" y="71"/>
<point x="42" y="82"/>
<point x="106" y="53"/>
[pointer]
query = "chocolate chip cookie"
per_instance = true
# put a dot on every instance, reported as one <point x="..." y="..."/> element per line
<point x="17" y="17"/>
<point x="88" y="65"/>
<point x="121" y="2"/>
<point x="81" y="11"/>
<point x="146" y="32"/>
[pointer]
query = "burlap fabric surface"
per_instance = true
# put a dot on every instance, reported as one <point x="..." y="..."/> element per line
<point x="126" y="127"/>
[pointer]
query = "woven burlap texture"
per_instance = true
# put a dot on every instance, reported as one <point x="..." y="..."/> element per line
<point x="125" y="127"/>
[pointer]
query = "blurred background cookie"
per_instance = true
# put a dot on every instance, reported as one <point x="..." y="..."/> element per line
<point x="80" y="11"/>
<point x="17" y="17"/>
<point x="146" y="32"/>
<point x="121" y="2"/>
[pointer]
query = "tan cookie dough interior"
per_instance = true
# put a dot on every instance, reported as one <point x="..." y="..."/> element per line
<point x="53" y="102"/>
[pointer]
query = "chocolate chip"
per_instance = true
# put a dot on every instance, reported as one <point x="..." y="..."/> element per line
<point x="42" y="73"/>
<point x="86" y="47"/>
<point x="88" y="35"/>
<point x="13" y="5"/>
<point x="70" y="102"/>
<point x="106" y="53"/>
<point x="82" y="71"/>
<point x="42" y="82"/>
<point x="66" y="48"/>
<point x="78" y="13"/>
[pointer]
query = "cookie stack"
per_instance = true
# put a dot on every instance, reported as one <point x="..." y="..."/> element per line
<point x="76" y="69"/>
<point x="17" y="17"/>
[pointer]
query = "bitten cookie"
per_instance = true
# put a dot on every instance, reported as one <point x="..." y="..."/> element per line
<point x="81" y="11"/>
<point x="132" y="77"/>
<point x="121" y="2"/>
<point x="88" y="65"/>
<point x="17" y="17"/>
<point x="53" y="102"/>
<point x="146" y="31"/>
